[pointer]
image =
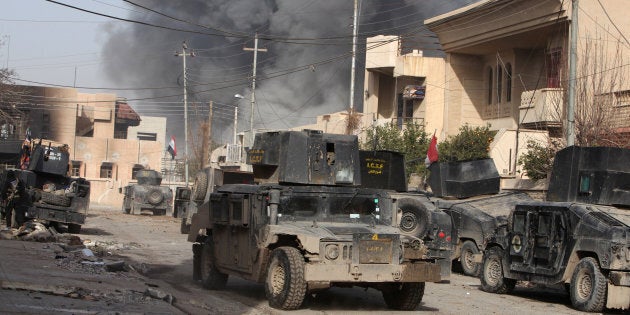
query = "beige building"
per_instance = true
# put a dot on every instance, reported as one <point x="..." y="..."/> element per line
<point x="506" y="65"/>
<point x="108" y="140"/>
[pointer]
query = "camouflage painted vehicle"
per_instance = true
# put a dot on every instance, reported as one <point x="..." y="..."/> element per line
<point x="579" y="237"/>
<point x="43" y="191"/>
<point x="308" y="227"/>
<point x="147" y="196"/>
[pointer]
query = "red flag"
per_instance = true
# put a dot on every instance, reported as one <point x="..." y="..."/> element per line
<point x="171" y="148"/>
<point x="432" y="153"/>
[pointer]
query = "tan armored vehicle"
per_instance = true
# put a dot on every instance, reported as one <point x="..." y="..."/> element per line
<point x="307" y="226"/>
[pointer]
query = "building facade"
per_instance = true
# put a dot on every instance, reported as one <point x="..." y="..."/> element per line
<point x="108" y="140"/>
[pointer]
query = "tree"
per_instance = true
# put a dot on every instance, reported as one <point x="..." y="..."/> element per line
<point x="10" y="97"/>
<point x="412" y="142"/>
<point x="537" y="161"/>
<point x="601" y="93"/>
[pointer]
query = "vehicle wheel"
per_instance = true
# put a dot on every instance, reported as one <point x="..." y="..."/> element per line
<point x="403" y="296"/>
<point x="492" y="279"/>
<point x="200" y="186"/>
<point x="74" y="228"/>
<point x="466" y="259"/>
<point x="588" y="286"/>
<point x="285" y="286"/>
<point x="155" y="196"/>
<point x="416" y="219"/>
<point x="57" y="200"/>
<point x="211" y="278"/>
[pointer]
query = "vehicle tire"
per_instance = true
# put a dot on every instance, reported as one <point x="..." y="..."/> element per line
<point x="74" y="228"/>
<point x="588" y="286"/>
<point x="491" y="276"/>
<point x="200" y="186"/>
<point x="469" y="266"/>
<point x="57" y="200"/>
<point x="416" y="218"/>
<point x="211" y="278"/>
<point x="285" y="287"/>
<point x="155" y="196"/>
<point x="403" y="296"/>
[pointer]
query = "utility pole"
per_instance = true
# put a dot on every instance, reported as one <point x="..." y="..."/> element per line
<point x="572" y="75"/>
<point x="235" y="122"/>
<point x="355" y="28"/>
<point x="183" y="54"/>
<point x="253" y="98"/>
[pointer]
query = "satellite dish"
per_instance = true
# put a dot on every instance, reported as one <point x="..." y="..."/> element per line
<point x="87" y="156"/>
<point x="115" y="156"/>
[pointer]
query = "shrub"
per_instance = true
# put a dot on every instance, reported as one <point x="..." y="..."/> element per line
<point x="413" y="142"/>
<point x="537" y="161"/>
<point x="471" y="143"/>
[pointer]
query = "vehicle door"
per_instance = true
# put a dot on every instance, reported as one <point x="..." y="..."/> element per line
<point x="232" y="232"/>
<point x="537" y="237"/>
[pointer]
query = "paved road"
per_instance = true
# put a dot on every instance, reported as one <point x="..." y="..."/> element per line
<point x="36" y="280"/>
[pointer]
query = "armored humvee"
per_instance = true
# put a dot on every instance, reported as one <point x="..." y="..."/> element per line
<point x="579" y="237"/>
<point x="147" y="196"/>
<point x="43" y="190"/>
<point x="463" y="208"/>
<point x="307" y="226"/>
<point x="206" y="181"/>
<point x="417" y="214"/>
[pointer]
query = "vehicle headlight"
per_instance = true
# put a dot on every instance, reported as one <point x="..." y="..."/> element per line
<point x="332" y="251"/>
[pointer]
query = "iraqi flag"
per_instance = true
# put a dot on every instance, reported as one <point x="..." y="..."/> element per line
<point x="171" y="148"/>
<point x="432" y="153"/>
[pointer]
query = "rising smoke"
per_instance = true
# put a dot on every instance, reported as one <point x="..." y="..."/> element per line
<point x="143" y="56"/>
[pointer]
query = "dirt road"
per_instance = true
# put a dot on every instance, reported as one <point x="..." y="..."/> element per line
<point x="47" y="277"/>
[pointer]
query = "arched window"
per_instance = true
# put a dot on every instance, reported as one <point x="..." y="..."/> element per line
<point x="499" y="83"/>
<point x="490" y="83"/>
<point x="508" y="82"/>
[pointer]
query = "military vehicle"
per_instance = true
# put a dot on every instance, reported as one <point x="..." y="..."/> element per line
<point x="463" y="208"/>
<point x="307" y="226"/>
<point x="41" y="189"/>
<point x="579" y="237"/>
<point x="147" y="196"/>
<point x="206" y="181"/>
<point x="418" y="215"/>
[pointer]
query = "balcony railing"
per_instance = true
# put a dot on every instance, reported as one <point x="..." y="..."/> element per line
<point x="541" y="107"/>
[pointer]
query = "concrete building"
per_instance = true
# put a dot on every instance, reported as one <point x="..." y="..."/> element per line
<point x="505" y="65"/>
<point x="108" y="140"/>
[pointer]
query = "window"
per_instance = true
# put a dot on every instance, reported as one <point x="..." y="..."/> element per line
<point x="107" y="170"/>
<point x="489" y="86"/>
<point x="622" y="98"/>
<point x="147" y="136"/>
<point x="508" y="82"/>
<point x="499" y="83"/>
<point x="76" y="169"/>
<point x="554" y="66"/>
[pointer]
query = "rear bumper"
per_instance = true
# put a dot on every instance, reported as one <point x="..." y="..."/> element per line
<point x="56" y="214"/>
<point x="373" y="273"/>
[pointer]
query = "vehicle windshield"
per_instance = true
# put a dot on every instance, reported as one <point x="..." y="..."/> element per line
<point x="334" y="208"/>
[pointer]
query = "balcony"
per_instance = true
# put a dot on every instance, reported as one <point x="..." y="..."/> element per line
<point x="541" y="108"/>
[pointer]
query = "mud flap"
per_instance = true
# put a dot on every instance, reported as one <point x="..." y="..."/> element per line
<point x="618" y="297"/>
<point x="196" y="248"/>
